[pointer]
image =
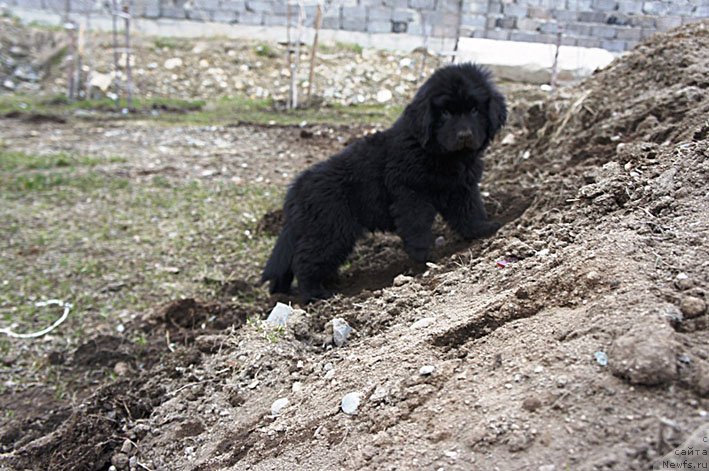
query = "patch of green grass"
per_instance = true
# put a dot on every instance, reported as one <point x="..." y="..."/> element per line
<point x="352" y="47"/>
<point x="22" y="161"/>
<point x="220" y="111"/>
<point x="265" y="50"/>
<point x="170" y="43"/>
<point x="68" y="232"/>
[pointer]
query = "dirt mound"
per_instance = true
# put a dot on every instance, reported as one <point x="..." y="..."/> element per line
<point x="574" y="339"/>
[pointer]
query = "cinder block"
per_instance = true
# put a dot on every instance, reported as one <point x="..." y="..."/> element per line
<point x="259" y="6"/>
<point x="527" y="24"/>
<point x="233" y="5"/>
<point x="630" y="6"/>
<point x="396" y="3"/>
<point x="379" y="14"/>
<point x="579" y="5"/>
<point x="605" y="32"/>
<point x="354" y="18"/>
<point x="224" y="16"/>
<point x="399" y="26"/>
<point x="578" y="29"/>
<point x="422" y="4"/>
<point x="379" y="26"/>
<point x="565" y="16"/>
<point x="619" y="19"/>
<point x="151" y="9"/>
<point x="509" y="22"/>
<point x="475" y="7"/>
<point x="656" y="8"/>
<point x="172" y="11"/>
<point x="588" y="42"/>
<point x="665" y="23"/>
<point x="643" y="21"/>
<point x="549" y="27"/>
<point x="404" y="15"/>
<point x="249" y="18"/>
<point x="628" y="33"/>
<point x="592" y="17"/>
<point x="614" y="45"/>
<point x="332" y="19"/>
<point x="605" y="5"/>
<point x="497" y="34"/>
<point x="494" y="7"/>
<point x="514" y="9"/>
<point x="473" y="21"/>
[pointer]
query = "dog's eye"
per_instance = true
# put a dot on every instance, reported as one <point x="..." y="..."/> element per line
<point x="474" y="110"/>
<point x="446" y="114"/>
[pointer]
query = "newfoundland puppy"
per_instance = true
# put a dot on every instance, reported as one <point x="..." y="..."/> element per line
<point x="428" y="162"/>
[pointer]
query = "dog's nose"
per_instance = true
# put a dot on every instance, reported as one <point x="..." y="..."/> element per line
<point x="465" y="135"/>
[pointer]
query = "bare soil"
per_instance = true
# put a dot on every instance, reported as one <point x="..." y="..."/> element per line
<point x="604" y="255"/>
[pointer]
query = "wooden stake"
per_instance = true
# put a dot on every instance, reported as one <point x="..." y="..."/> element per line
<point x="314" y="52"/>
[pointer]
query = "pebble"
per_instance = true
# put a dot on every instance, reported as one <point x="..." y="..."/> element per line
<point x="341" y="330"/>
<point x="278" y="406"/>
<point x="383" y="96"/>
<point x="427" y="370"/>
<point x="401" y="280"/>
<point x="121" y="368"/>
<point x="440" y="241"/>
<point x="297" y="387"/>
<point x="423" y="323"/>
<point x="279" y="314"/>
<point x="601" y="358"/>
<point x="173" y="63"/>
<point x="531" y="403"/>
<point x="350" y="403"/>
<point x="683" y="282"/>
<point x="692" y="307"/>
<point x="126" y="447"/>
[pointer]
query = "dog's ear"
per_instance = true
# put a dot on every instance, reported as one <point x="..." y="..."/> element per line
<point x="419" y="116"/>
<point x="497" y="113"/>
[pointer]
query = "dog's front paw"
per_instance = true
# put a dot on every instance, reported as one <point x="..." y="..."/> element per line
<point x="483" y="229"/>
<point x="417" y="254"/>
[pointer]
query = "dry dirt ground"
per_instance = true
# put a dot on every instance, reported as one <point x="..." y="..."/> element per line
<point x="576" y="338"/>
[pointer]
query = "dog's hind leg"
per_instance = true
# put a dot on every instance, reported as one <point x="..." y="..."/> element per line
<point x="319" y="255"/>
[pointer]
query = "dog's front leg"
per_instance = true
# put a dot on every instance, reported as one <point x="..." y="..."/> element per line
<point x="413" y="218"/>
<point x="465" y="213"/>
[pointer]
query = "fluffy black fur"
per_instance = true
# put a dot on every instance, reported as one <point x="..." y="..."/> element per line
<point x="428" y="162"/>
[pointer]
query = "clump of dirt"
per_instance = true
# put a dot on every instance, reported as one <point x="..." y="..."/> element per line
<point x="576" y="338"/>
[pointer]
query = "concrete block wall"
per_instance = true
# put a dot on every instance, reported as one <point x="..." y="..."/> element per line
<point x="615" y="25"/>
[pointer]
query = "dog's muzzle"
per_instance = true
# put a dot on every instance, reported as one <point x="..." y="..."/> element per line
<point x="466" y="140"/>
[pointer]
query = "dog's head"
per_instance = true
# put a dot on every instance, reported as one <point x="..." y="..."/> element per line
<point x="457" y="108"/>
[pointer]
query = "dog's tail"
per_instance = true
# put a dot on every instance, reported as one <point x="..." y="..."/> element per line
<point x="279" y="269"/>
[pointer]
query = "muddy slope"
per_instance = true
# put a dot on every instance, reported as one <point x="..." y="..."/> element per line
<point x="605" y="256"/>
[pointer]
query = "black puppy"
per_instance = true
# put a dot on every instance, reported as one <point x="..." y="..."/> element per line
<point x="428" y="162"/>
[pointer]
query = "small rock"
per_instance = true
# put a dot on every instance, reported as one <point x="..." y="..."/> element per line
<point x="350" y="403"/>
<point x="119" y="460"/>
<point x="692" y="307"/>
<point x="328" y="366"/>
<point x="427" y="370"/>
<point x="547" y="467"/>
<point x="440" y="241"/>
<point x="601" y="358"/>
<point x="593" y="278"/>
<point x="646" y="354"/>
<point x="341" y="330"/>
<point x="683" y="282"/>
<point x="329" y="374"/>
<point x="531" y="403"/>
<point x="173" y="63"/>
<point x="509" y="139"/>
<point x="297" y="387"/>
<point x="121" y="368"/>
<point x="384" y="95"/>
<point x="380" y="394"/>
<point x="423" y="323"/>
<point x="279" y="314"/>
<point x="278" y="406"/>
<point x="9" y="84"/>
<point x="401" y="280"/>
<point x="126" y="447"/>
